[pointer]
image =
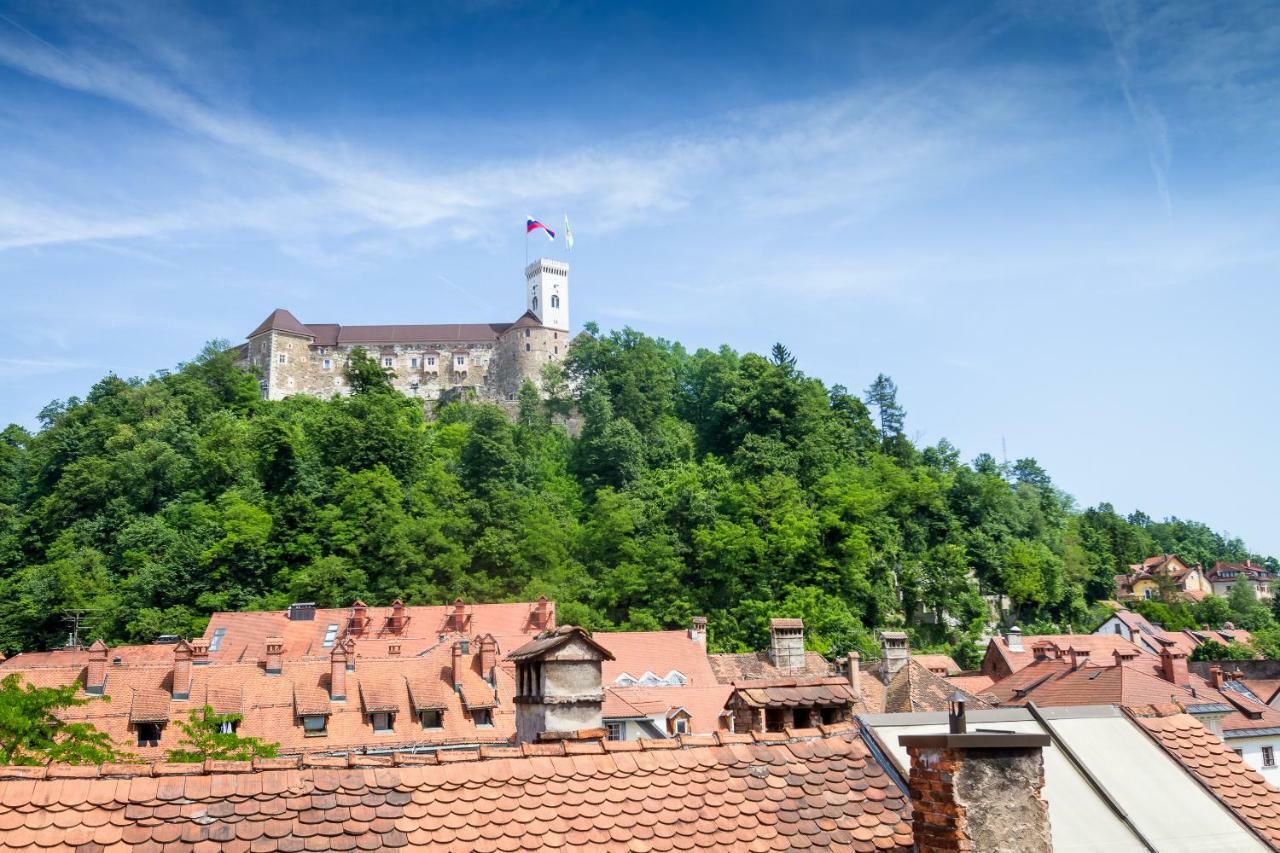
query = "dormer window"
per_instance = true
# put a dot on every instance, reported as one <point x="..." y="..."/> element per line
<point x="148" y="734"/>
<point x="482" y="717"/>
<point x="383" y="721"/>
<point x="314" y="725"/>
<point x="431" y="718"/>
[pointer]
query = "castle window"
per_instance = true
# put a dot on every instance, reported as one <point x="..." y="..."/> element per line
<point x="328" y="364"/>
<point x="557" y="350"/>
<point x="535" y="303"/>
<point x="282" y="358"/>
<point x="527" y="347"/>
<point x="413" y="362"/>
<point x="460" y="360"/>
<point x="387" y="361"/>
<point x="526" y="333"/>
<point x="555" y="301"/>
<point x="431" y="361"/>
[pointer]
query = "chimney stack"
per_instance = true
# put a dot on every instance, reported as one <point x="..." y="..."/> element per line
<point x="338" y="672"/>
<point x="1013" y="639"/>
<point x="1040" y="651"/>
<point x="698" y="631"/>
<point x="275" y="655"/>
<point x="96" y="680"/>
<point x="786" y="644"/>
<point x="542" y="613"/>
<point x="559" y="686"/>
<point x="855" y="674"/>
<point x="489" y="659"/>
<point x="182" y="670"/>
<point x="1215" y="676"/>
<point x="895" y="653"/>
<point x="1173" y="666"/>
<point x="396" y="622"/>
<point x="455" y="668"/>
<point x="359" y="616"/>
<point x="1079" y="657"/>
<point x="199" y="652"/>
<point x="978" y="791"/>
<point x="458" y="621"/>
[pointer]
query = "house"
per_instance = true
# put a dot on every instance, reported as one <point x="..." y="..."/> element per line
<point x="1144" y="579"/>
<point x="938" y="664"/>
<point x="1260" y="677"/>
<point x="1223" y="576"/>
<point x="1151" y="638"/>
<point x="1011" y="652"/>
<point x="1134" y="679"/>
<point x="1190" y="793"/>
<point x="785" y="658"/>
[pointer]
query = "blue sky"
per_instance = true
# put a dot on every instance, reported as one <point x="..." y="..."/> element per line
<point x="1052" y="224"/>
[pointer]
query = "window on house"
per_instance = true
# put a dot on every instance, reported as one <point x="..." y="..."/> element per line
<point x="1119" y="628"/>
<point x="526" y="333"/>
<point x="460" y="360"/>
<point x="1239" y="752"/>
<point x="387" y="361"/>
<point x="382" y="721"/>
<point x="1268" y="756"/>
<point x="228" y="727"/>
<point x="431" y="361"/>
<point x="282" y="358"/>
<point x="330" y="636"/>
<point x="413" y="362"/>
<point x="314" y="724"/>
<point x="148" y="734"/>
<point x="1146" y="593"/>
<point x="615" y="730"/>
<point x="527" y="348"/>
<point x="682" y="726"/>
<point x="215" y="642"/>
<point x="831" y="716"/>
<point x="328" y="364"/>
<point x="557" y="350"/>
<point x="775" y="719"/>
<point x="482" y="717"/>
<point x="432" y="718"/>
<point x="555" y="301"/>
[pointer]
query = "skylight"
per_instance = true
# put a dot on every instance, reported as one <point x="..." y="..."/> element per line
<point x="216" y="642"/>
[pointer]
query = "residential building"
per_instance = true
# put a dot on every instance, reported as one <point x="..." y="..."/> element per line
<point x="1140" y="631"/>
<point x="785" y="658"/>
<point x="1011" y="652"/>
<point x="1223" y="576"/>
<point x="1145" y="579"/>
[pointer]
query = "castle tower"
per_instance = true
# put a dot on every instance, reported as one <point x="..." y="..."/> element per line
<point x="547" y="292"/>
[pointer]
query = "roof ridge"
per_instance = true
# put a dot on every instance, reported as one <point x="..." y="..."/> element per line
<point x="596" y="745"/>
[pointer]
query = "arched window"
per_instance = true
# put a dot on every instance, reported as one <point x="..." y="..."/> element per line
<point x="555" y="301"/>
<point x="535" y="303"/>
<point x="527" y="348"/>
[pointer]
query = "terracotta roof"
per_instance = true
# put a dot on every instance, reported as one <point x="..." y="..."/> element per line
<point x="733" y="667"/>
<point x="659" y="652"/>
<point x="972" y="684"/>
<point x="1237" y="785"/>
<point x="795" y="693"/>
<point x="915" y="688"/>
<point x="786" y="623"/>
<point x="549" y="641"/>
<point x="935" y="662"/>
<point x="794" y="790"/>
<point x="478" y="696"/>
<point x="704" y="704"/>
<point x="1099" y="646"/>
<point x="378" y="694"/>
<point x="149" y="706"/>
<point x="280" y="320"/>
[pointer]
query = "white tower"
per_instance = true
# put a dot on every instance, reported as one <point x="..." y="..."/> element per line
<point x="547" y="292"/>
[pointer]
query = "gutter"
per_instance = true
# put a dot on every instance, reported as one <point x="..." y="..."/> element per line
<point x="1094" y="782"/>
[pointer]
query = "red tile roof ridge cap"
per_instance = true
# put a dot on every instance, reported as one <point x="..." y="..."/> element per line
<point x="810" y="681"/>
<point x="401" y="758"/>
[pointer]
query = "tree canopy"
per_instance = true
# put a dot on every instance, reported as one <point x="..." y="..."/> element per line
<point x="716" y="482"/>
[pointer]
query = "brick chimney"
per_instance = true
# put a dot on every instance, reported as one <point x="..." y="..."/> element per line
<point x="1040" y="651"/>
<point x="359" y="616"/>
<point x="542" y="613"/>
<point x="1173" y="667"/>
<point x="786" y="644"/>
<point x="396" y="622"/>
<point x="338" y="672"/>
<point x="698" y="631"/>
<point x="489" y="658"/>
<point x="275" y="655"/>
<point x="96" y="679"/>
<point x="895" y="653"/>
<point x="182" y="670"/>
<point x="978" y="791"/>
<point x="1215" y="677"/>
<point x="458" y="619"/>
<point x="455" y="666"/>
<point x="199" y="651"/>
<point x="1079" y="657"/>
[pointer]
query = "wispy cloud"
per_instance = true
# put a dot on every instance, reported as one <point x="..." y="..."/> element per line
<point x="24" y="368"/>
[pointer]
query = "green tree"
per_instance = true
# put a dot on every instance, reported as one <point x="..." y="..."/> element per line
<point x="210" y="735"/>
<point x="365" y="375"/>
<point x="32" y="732"/>
<point x="883" y="394"/>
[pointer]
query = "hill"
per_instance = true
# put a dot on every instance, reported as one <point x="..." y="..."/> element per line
<point x="714" y="483"/>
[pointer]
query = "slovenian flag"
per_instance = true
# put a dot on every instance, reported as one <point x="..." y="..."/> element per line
<point x="533" y="225"/>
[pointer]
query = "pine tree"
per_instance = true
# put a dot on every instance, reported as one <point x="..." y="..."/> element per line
<point x="883" y="394"/>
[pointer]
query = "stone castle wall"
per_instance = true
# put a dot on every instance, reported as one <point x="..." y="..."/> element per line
<point x="521" y="354"/>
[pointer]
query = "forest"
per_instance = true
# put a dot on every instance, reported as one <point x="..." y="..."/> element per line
<point x="713" y="482"/>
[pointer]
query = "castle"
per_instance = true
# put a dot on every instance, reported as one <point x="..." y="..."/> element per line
<point x="491" y="360"/>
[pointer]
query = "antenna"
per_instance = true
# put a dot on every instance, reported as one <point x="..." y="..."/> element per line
<point x="76" y="625"/>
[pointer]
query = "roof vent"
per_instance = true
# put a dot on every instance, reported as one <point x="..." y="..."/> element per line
<point x="166" y="639"/>
<point x="302" y="611"/>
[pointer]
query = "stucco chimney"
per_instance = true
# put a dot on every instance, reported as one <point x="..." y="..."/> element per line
<point x="698" y="631"/>
<point x="895" y="653"/>
<point x="855" y="673"/>
<point x="978" y="791"/>
<point x="96" y="679"/>
<point x="338" y="672"/>
<point x="559" y="687"/>
<point x="1173" y="666"/>
<point x="1013" y="639"/>
<point x="488" y="658"/>
<point x="275" y="655"/>
<point x="181" y="670"/>
<point x="786" y="643"/>
<point x="199" y="651"/>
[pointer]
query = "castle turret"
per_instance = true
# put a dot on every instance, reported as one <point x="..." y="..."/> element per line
<point x="547" y="292"/>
